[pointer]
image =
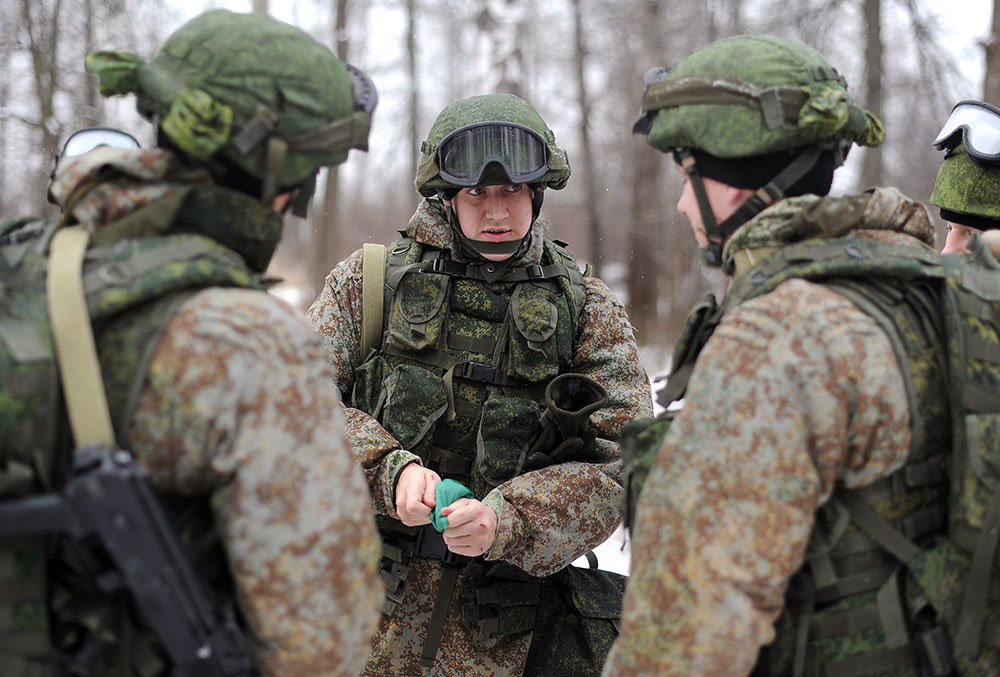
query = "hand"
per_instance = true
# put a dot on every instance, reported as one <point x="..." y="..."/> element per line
<point x="415" y="494"/>
<point x="472" y="527"/>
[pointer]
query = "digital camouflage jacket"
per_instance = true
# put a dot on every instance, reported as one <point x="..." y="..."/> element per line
<point x="237" y="409"/>
<point x="797" y="398"/>
<point x="547" y="517"/>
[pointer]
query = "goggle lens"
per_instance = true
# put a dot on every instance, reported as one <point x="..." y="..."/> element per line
<point x="977" y="126"/>
<point x="87" y="140"/>
<point x="464" y="155"/>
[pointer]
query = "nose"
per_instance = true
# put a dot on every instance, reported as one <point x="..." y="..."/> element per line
<point x="682" y="201"/>
<point x="496" y="206"/>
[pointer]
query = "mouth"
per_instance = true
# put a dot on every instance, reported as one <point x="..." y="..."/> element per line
<point x="495" y="234"/>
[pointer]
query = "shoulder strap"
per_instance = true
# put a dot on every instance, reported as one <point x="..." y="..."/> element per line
<point x="73" y="338"/>
<point x="372" y="283"/>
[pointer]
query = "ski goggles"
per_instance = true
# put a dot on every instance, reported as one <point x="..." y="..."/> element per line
<point x="465" y="155"/>
<point x="974" y="124"/>
<point x="87" y="140"/>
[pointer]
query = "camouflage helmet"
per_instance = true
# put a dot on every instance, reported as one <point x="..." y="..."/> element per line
<point x="751" y="95"/>
<point x="966" y="188"/>
<point x="488" y="108"/>
<point x="248" y="91"/>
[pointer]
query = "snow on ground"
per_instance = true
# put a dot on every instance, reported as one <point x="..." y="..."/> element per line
<point x="612" y="554"/>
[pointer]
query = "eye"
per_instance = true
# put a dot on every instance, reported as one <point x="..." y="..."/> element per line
<point x="474" y="191"/>
<point x="514" y="187"/>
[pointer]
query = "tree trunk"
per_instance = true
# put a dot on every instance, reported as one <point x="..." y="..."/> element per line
<point x="646" y="210"/>
<point x="43" y="42"/>
<point x="411" y="69"/>
<point x="325" y="225"/>
<point x="259" y="6"/>
<point x="991" y="79"/>
<point x="586" y="153"/>
<point x="871" y="168"/>
<point x="91" y="100"/>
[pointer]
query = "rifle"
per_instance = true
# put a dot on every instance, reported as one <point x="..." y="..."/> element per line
<point x="109" y="497"/>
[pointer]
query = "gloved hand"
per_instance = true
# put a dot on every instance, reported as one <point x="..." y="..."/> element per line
<point x="570" y="399"/>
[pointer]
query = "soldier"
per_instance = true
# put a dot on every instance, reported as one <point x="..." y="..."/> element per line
<point x="968" y="182"/>
<point x="485" y="319"/>
<point x="798" y="517"/>
<point x="218" y="388"/>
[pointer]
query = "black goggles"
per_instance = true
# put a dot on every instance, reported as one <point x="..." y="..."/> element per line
<point x="976" y="125"/>
<point x="465" y="155"/>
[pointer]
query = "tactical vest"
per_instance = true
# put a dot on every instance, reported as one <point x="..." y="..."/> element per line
<point x="459" y="377"/>
<point x="54" y="615"/>
<point x="899" y="575"/>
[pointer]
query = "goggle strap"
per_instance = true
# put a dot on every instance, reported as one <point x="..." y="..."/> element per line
<point x="277" y="151"/>
<point x="347" y="132"/>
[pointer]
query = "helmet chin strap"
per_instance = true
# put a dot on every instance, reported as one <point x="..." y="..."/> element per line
<point x="775" y="189"/>
<point x="479" y="249"/>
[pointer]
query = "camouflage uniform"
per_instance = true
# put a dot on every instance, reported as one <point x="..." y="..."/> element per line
<point x="796" y="391"/>
<point x="816" y="423"/>
<point x="547" y="518"/>
<point x="216" y="387"/>
<point x="238" y="406"/>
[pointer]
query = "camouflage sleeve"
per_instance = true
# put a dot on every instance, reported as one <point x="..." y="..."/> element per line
<point x="336" y="316"/>
<point x="552" y="516"/>
<point x="795" y="391"/>
<point x="239" y="403"/>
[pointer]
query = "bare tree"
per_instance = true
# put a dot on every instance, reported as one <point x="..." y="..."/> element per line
<point x="586" y="154"/>
<point x="991" y="78"/>
<point x="871" y="169"/>
<point x="326" y="229"/>
<point x="411" y="71"/>
<point x="259" y="6"/>
<point x="646" y="209"/>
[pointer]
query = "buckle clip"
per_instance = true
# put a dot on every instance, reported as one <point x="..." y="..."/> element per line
<point x="475" y="371"/>
<point x="535" y="272"/>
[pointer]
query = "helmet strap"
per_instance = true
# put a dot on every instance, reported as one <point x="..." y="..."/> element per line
<point x="774" y="190"/>
<point x="277" y="151"/>
<point x="478" y="249"/>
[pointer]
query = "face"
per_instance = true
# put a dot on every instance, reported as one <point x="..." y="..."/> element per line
<point x="958" y="238"/>
<point x="494" y="214"/>
<point x="722" y="198"/>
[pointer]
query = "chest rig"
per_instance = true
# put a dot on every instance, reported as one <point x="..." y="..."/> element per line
<point x="459" y="379"/>
<point x="900" y="576"/>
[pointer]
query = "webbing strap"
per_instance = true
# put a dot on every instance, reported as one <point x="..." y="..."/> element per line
<point x="12" y="665"/>
<point x="886" y="660"/>
<point x="372" y="296"/>
<point x="73" y="337"/>
<point x="970" y="620"/>
<point x="435" y="629"/>
<point x="884" y="534"/>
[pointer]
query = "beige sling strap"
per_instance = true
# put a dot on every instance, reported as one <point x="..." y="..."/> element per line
<point x="372" y="290"/>
<point x="73" y="338"/>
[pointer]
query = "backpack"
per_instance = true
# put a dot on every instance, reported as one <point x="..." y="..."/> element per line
<point x="55" y="295"/>
<point x="953" y="303"/>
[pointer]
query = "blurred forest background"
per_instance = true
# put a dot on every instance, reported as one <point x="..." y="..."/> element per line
<point x="580" y="62"/>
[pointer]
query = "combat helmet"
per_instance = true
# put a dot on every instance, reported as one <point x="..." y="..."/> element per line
<point x="773" y="106"/>
<point x="967" y="189"/>
<point x="487" y="140"/>
<point x="249" y="97"/>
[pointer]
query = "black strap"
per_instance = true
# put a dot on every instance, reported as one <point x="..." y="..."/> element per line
<point x="435" y="629"/>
